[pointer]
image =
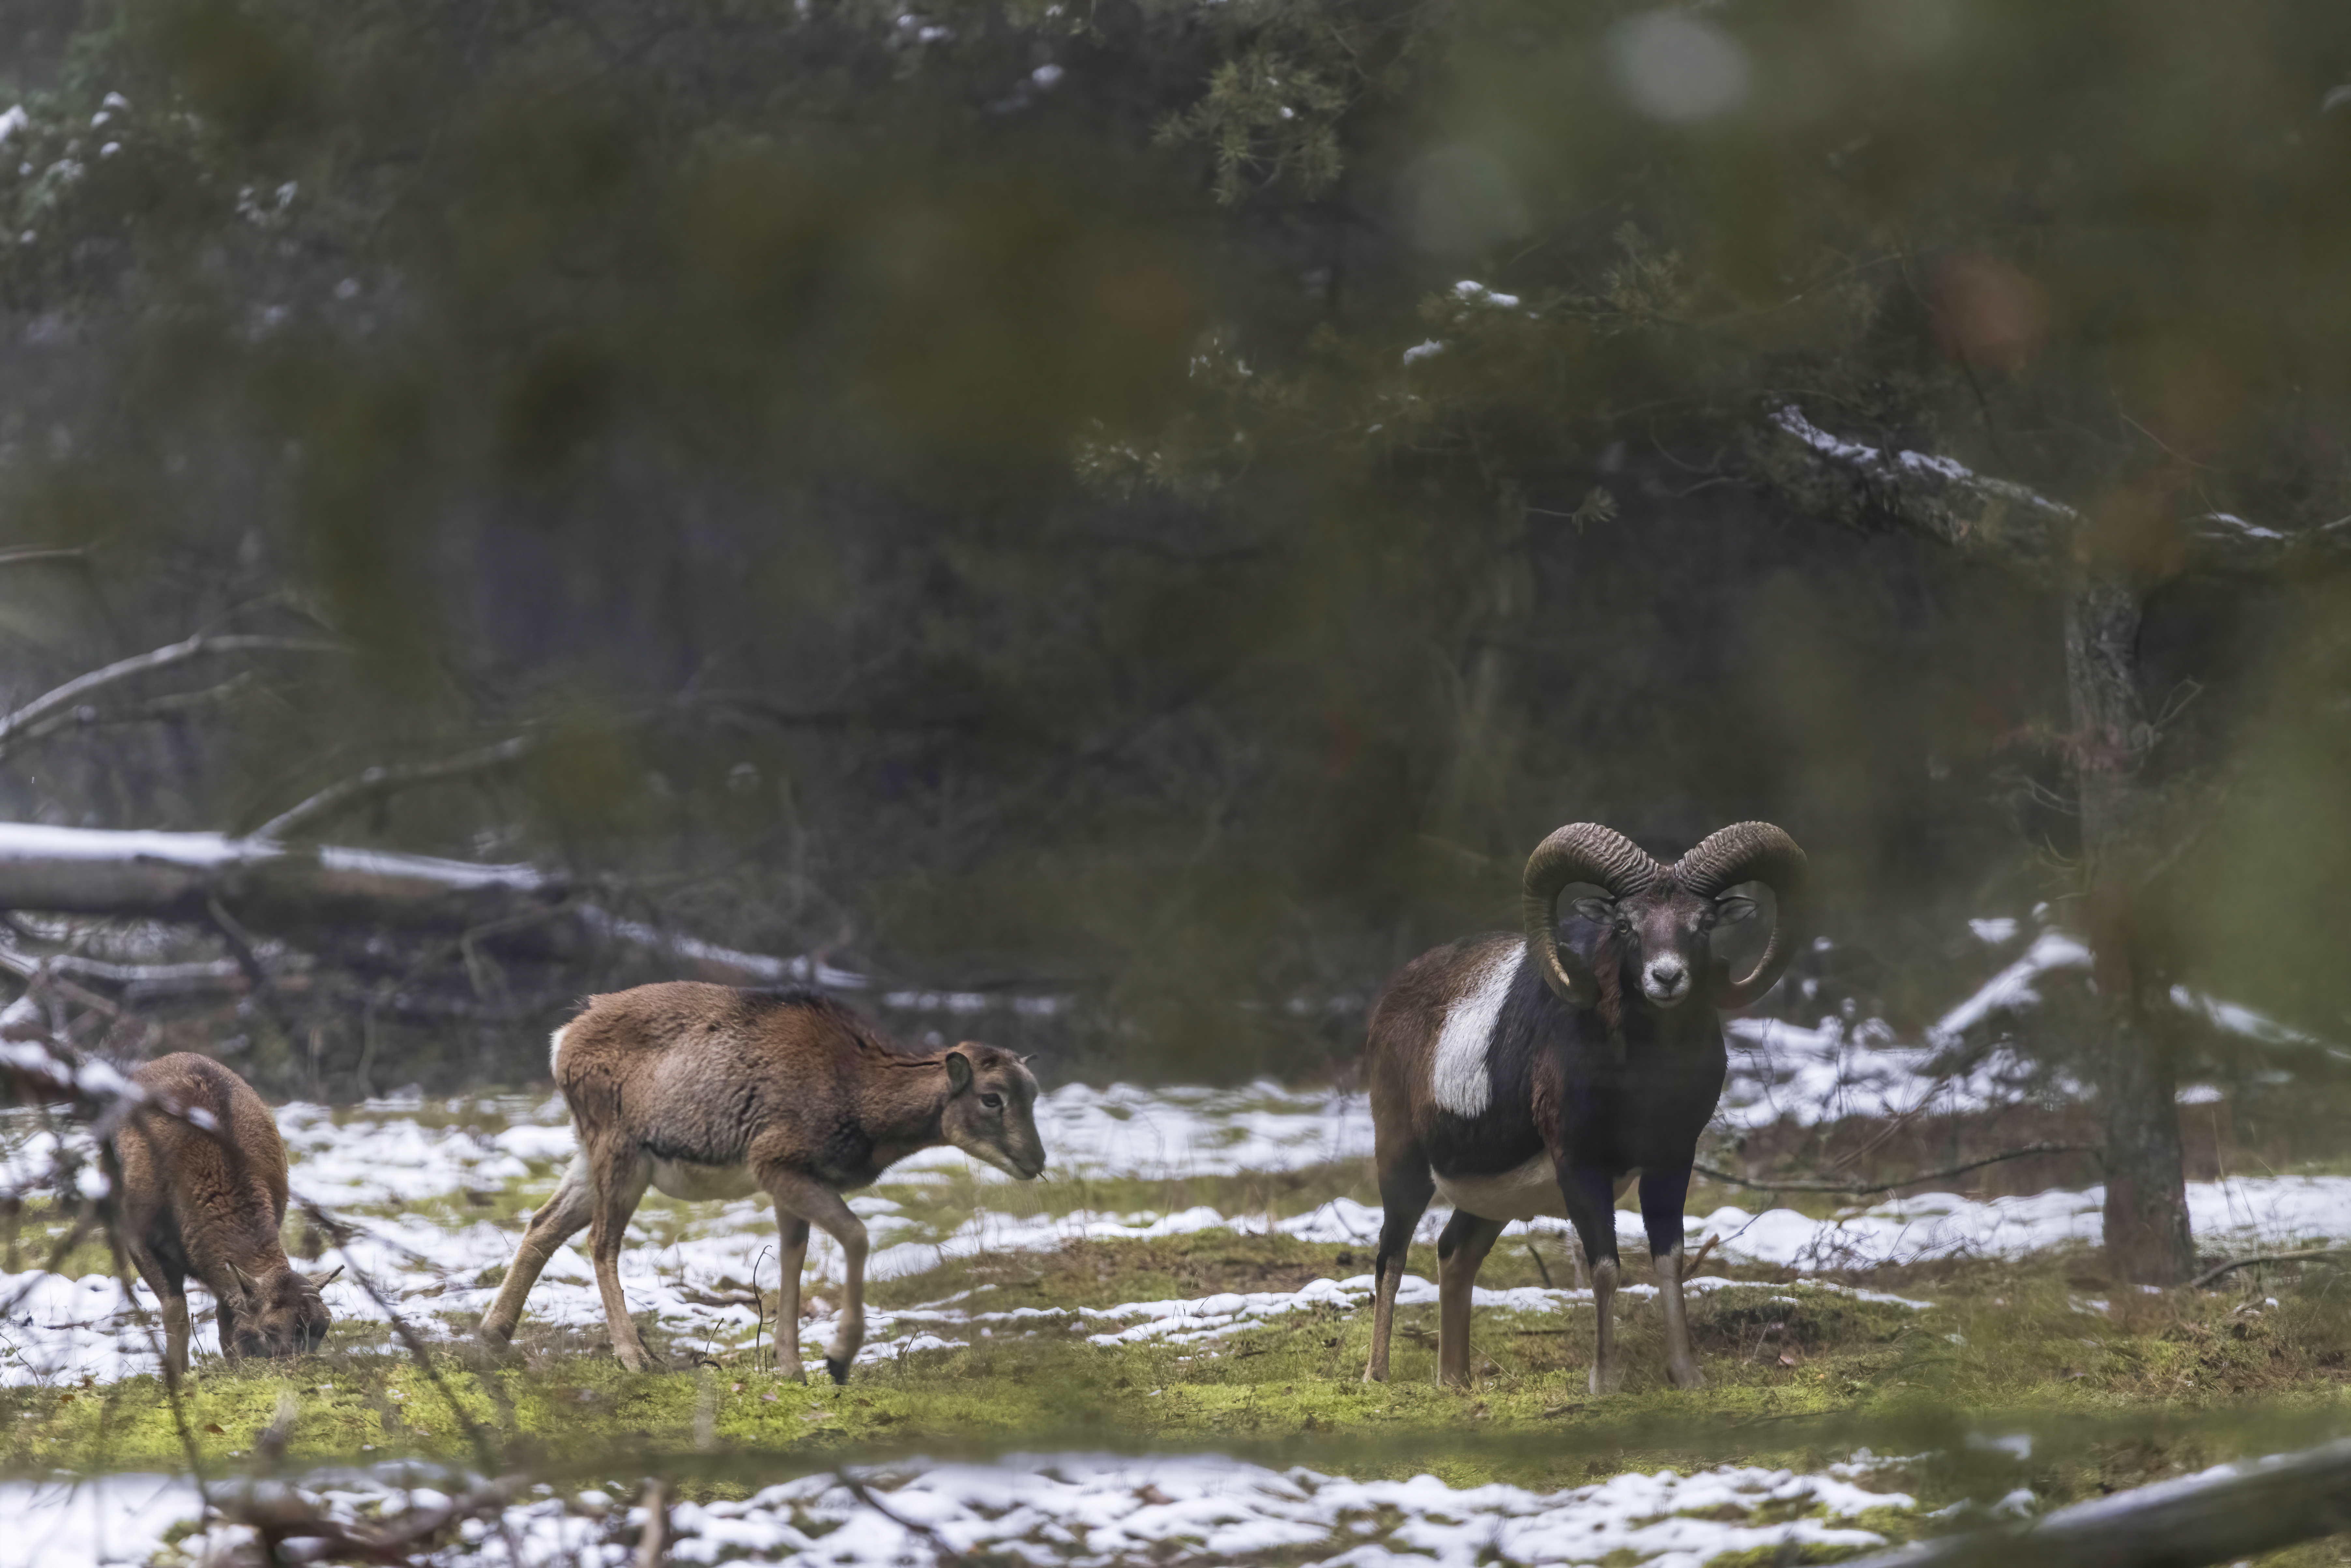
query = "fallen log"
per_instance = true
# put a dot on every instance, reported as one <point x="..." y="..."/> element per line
<point x="304" y="894"/>
<point x="2224" y="1514"/>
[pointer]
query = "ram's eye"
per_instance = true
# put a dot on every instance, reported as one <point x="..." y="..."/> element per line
<point x="993" y="1102"/>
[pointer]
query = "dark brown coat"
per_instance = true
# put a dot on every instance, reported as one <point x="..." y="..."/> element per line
<point x="207" y="1204"/>
<point x="708" y="1091"/>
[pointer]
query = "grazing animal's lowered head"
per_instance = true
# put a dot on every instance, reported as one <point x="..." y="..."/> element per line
<point x="279" y="1312"/>
<point x="1656" y="922"/>
<point x="991" y="1110"/>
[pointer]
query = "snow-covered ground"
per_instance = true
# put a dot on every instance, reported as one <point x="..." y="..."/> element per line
<point x="401" y="1180"/>
<point x="1094" y="1510"/>
<point x="415" y="1177"/>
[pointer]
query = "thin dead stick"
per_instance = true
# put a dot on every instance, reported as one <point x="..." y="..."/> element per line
<point x="1860" y="1188"/>
<point x="13" y="726"/>
<point x="340" y="1235"/>
<point x="1704" y="1248"/>
<point x="2233" y="1264"/>
<point x="383" y="780"/>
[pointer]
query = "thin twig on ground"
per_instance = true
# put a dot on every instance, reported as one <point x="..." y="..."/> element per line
<point x="2233" y="1264"/>
<point x="1863" y="1189"/>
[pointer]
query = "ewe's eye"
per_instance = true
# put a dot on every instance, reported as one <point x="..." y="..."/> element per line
<point x="993" y="1102"/>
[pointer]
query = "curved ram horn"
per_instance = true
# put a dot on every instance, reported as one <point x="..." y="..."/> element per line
<point x="1751" y="852"/>
<point x="1581" y="851"/>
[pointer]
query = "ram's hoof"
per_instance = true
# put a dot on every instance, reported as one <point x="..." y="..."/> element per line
<point x="838" y="1367"/>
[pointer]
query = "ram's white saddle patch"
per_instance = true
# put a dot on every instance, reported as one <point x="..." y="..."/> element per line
<point x="1459" y="1079"/>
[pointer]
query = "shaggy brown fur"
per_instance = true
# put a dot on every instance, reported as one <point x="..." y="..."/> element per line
<point x="208" y="1204"/>
<point x="707" y="1091"/>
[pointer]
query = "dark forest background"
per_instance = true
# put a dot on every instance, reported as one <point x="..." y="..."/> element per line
<point x="1161" y="505"/>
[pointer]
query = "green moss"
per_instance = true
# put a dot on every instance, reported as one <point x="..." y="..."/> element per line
<point x="1797" y="1378"/>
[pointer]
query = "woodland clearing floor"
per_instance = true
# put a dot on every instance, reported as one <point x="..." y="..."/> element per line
<point x="1189" y="1316"/>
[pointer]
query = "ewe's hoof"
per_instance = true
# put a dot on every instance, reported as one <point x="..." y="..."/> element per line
<point x="838" y="1367"/>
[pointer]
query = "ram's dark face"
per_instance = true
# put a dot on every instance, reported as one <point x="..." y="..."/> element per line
<point x="1663" y="936"/>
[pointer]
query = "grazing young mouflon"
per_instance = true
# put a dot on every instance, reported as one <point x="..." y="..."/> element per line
<point x="707" y="1091"/>
<point x="207" y="1202"/>
<point x="1516" y="1075"/>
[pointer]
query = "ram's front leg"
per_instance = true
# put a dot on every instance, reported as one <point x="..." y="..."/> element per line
<point x="1664" y="1195"/>
<point x="1589" y="1192"/>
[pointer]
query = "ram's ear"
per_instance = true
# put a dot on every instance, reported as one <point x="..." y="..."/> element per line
<point x="959" y="1072"/>
<point x="245" y="1284"/>
<point x="1732" y="910"/>
<point x="1599" y="910"/>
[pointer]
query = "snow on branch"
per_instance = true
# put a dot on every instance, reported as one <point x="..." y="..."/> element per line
<point x="302" y="893"/>
<point x="2019" y="528"/>
<point x="2011" y="524"/>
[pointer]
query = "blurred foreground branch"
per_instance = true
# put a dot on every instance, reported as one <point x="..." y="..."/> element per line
<point x="2226" y="1513"/>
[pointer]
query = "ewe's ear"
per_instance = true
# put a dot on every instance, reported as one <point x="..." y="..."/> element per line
<point x="246" y="1285"/>
<point x="1599" y="910"/>
<point x="1731" y="911"/>
<point x="958" y="1072"/>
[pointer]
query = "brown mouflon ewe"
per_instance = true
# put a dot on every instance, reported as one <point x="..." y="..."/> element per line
<point x="707" y="1091"/>
<point x="207" y="1200"/>
<point x="1518" y="1074"/>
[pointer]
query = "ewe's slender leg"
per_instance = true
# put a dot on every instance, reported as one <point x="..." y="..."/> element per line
<point x="1460" y="1249"/>
<point x="171" y="1296"/>
<point x="1664" y="1193"/>
<point x="794" y="1232"/>
<point x="620" y="1183"/>
<point x="1405" y="1187"/>
<point x="822" y="1208"/>
<point x="1589" y="1190"/>
<point x="563" y="1216"/>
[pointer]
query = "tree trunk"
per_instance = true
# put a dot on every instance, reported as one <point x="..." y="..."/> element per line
<point x="2147" y="1232"/>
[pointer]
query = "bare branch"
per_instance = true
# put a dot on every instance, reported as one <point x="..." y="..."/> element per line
<point x="13" y="726"/>
<point x="375" y="782"/>
<point x="82" y="716"/>
<point x="1864" y="1189"/>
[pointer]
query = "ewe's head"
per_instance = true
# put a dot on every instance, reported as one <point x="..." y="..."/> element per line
<point x="1657" y="921"/>
<point x="991" y="1110"/>
<point x="279" y="1312"/>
